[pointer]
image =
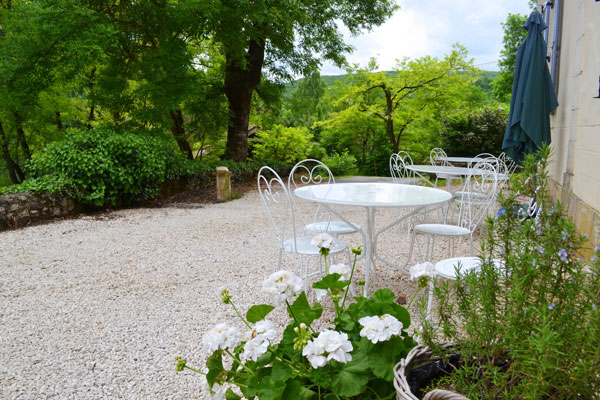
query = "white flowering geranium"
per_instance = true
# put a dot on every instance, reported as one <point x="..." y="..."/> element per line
<point x="329" y="345"/>
<point x="419" y="270"/>
<point x="350" y="356"/>
<point x="281" y="286"/>
<point x="222" y="337"/>
<point x="323" y="240"/>
<point x="380" y="329"/>
<point x="216" y="392"/>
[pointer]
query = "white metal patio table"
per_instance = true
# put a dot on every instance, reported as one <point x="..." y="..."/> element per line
<point x="442" y="171"/>
<point x="461" y="160"/>
<point x="373" y="195"/>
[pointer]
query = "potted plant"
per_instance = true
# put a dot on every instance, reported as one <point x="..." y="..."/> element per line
<point x="529" y="329"/>
<point x="350" y="357"/>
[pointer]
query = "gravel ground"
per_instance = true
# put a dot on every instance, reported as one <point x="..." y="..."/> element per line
<point x="98" y="307"/>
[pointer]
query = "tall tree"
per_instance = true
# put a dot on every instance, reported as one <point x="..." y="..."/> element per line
<point x="415" y="91"/>
<point x="279" y="37"/>
<point x="514" y="34"/>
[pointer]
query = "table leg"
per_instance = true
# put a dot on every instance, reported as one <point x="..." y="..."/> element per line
<point x="369" y="249"/>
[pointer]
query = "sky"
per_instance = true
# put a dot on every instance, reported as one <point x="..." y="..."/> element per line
<point x="431" y="27"/>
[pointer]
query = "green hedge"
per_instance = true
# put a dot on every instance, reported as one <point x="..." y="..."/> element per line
<point x="100" y="167"/>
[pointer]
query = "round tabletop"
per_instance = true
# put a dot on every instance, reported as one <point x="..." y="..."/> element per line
<point x="466" y="160"/>
<point x="440" y="169"/>
<point x="373" y="194"/>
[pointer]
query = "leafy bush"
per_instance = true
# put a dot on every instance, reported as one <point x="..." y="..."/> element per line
<point x="475" y="132"/>
<point x="283" y="144"/>
<point x="532" y="326"/>
<point x="352" y="358"/>
<point x="100" y="167"/>
<point x="341" y="164"/>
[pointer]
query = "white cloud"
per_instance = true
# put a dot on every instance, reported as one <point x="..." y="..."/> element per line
<point x="431" y="27"/>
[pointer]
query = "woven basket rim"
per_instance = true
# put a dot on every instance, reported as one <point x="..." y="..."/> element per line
<point x="417" y="357"/>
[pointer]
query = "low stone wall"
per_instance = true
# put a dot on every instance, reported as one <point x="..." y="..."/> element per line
<point x="21" y="209"/>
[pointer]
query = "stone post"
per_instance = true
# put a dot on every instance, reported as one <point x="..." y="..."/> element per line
<point x="223" y="184"/>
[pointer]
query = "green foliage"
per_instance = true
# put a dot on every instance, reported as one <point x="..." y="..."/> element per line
<point x="285" y="371"/>
<point x="101" y="167"/>
<point x="283" y="144"/>
<point x="474" y="132"/>
<point x="532" y="326"/>
<point x="341" y="164"/>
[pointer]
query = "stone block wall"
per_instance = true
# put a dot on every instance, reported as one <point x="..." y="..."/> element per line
<point x="21" y="209"/>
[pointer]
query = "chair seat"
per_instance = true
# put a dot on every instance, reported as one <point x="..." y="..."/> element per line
<point x="332" y="227"/>
<point x="442" y="229"/>
<point x="447" y="268"/>
<point x="305" y="248"/>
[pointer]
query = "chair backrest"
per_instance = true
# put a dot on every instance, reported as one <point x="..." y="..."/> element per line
<point x="478" y="193"/>
<point x="309" y="172"/>
<point x="511" y="165"/>
<point x="398" y="170"/>
<point x="435" y="157"/>
<point x="278" y="205"/>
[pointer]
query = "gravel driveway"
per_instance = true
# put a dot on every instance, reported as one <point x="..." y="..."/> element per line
<point x="98" y="307"/>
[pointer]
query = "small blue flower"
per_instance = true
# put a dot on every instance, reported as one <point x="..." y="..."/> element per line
<point x="540" y="250"/>
<point x="593" y="259"/>
<point x="501" y="212"/>
<point x="551" y="306"/>
<point x="501" y="251"/>
<point x="563" y="254"/>
<point x="565" y="235"/>
<point x="538" y="231"/>
<point x="533" y="262"/>
<point x="597" y="248"/>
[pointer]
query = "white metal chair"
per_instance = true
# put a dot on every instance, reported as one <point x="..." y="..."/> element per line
<point x="398" y="170"/>
<point x="478" y="193"/>
<point x="281" y="214"/>
<point x="436" y="157"/>
<point x="315" y="217"/>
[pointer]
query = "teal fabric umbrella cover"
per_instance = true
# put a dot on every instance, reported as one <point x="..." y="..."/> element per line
<point x="533" y="97"/>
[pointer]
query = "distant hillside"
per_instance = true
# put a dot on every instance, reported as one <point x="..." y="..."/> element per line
<point x="484" y="81"/>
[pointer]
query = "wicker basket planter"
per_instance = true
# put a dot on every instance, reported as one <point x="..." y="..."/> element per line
<point x="418" y="369"/>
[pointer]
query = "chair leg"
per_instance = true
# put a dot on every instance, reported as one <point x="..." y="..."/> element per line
<point x="412" y="245"/>
<point x="429" y="300"/>
<point x="471" y="244"/>
<point x="279" y="259"/>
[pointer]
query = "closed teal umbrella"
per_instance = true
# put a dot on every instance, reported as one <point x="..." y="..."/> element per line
<point x="533" y="97"/>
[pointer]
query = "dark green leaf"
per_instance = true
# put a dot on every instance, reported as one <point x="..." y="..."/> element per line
<point x="383" y="356"/>
<point x="353" y="377"/>
<point x="258" y="312"/>
<point x="270" y="390"/>
<point x="331" y="281"/>
<point x="281" y="371"/>
<point x="303" y="312"/>
<point x="230" y="395"/>
<point x="215" y="367"/>
<point x="296" y="390"/>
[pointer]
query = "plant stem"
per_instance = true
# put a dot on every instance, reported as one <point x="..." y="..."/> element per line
<point x="348" y="287"/>
<point x="294" y="316"/>
<point x="195" y="370"/>
<point x="240" y="315"/>
<point x="239" y="362"/>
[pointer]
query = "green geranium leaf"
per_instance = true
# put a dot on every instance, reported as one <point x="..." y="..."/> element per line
<point x="296" y="390"/>
<point x="303" y="312"/>
<point x="346" y="323"/>
<point x="384" y="355"/>
<point x="215" y="367"/>
<point x="281" y="371"/>
<point x="258" y="312"/>
<point x="353" y="378"/>
<point x="383" y="296"/>
<point x="270" y="390"/>
<point x="230" y="395"/>
<point x="331" y="281"/>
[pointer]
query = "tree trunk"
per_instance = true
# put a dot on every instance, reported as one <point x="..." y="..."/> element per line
<point x="15" y="172"/>
<point x="59" y="124"/>
<point x="389" y="119"/>
<point x="178" y="131"/>
<point x="21" y="134"/>
<point x="240" y="82"/>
